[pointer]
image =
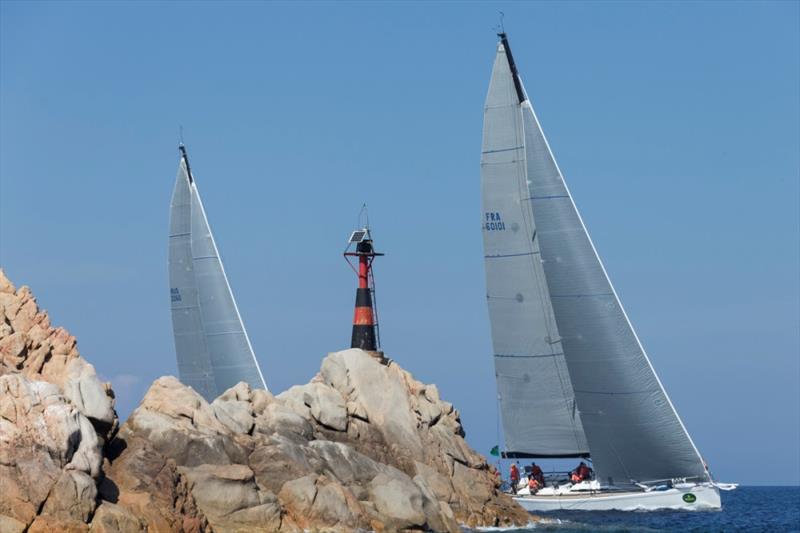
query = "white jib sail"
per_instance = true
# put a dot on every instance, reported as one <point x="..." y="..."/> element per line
<point x="537" y="405"/>
<point x="211" y="344"/>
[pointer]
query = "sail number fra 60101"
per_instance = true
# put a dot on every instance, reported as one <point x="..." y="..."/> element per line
<point x="493" y="222"/>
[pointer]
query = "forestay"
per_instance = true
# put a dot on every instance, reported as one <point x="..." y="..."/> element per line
<point x="537" y="405"/>
<point x="212" y="347"/>
<point x="633" y="431"/>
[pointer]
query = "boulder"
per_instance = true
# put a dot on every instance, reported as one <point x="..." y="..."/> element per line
<point x="55" y="418"/>
<point x="231" y="500"/>
<point x="149" y="486"/>
<point x="234" y="410"/>
<point x="112" y="518"/>
<point x="326" y="406"/>
<point x="13" y="348"/>
<point x="72" y="497"/>
<point x="399" y="501"/>
<point x="88" y="393"/>
<point x="50" y="454"/>
<point x="280" y="419"/>
<point x="377" y="391"/>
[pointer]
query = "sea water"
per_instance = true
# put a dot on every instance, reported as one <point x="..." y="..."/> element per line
<point x="756" y="509"/>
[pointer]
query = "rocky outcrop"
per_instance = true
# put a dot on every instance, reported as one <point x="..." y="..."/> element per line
<point x="55" y="418"/>
<point x="362" y="446"/>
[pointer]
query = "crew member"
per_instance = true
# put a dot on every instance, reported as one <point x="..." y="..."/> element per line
<point x="537" y="474"/>
<point x="533" y="484"/>
<point x="581" y="473"/>
<point x="514" y="476"/>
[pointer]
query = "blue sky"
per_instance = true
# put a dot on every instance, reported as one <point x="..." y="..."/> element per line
<point x="677" y="126"/>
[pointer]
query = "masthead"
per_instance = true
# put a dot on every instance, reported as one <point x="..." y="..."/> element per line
<point x="185" y="158"/>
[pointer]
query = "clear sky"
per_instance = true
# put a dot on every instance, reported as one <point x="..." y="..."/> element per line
<point x="677" y="126"/>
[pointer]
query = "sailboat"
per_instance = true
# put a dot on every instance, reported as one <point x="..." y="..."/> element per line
<point x="573" y="378"/>
<point x="213" y="350"/>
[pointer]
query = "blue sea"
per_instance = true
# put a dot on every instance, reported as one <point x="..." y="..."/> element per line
<point x="756" y="509"/>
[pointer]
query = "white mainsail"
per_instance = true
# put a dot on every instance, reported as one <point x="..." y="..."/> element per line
<point x="211" y="344"/>
<point x="633" y="432"/>
<point x="537" y="404"/>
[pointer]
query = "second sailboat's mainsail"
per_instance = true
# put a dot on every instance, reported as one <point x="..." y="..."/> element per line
<point x="213" y="350"/>
<point x="633" y="432"/>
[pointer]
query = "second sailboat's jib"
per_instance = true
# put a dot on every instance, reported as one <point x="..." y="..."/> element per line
<point x="213" y="350"/>
<point x="537" y="404"/>
<point x="633" y="432"/>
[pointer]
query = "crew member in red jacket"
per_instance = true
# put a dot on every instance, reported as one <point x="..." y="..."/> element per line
<point x="537" y="474"/>
<point x="514" y="476"/>
<point x="581" y="473"/>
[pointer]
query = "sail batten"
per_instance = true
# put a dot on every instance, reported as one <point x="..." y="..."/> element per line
<point x="212" y="347"/>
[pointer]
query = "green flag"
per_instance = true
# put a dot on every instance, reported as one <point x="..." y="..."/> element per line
<point x="495" y="451"/>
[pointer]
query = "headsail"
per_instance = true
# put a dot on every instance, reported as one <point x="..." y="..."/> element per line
<point x="213" y="350"/>
<point x="539" y="414"/>
<point x="633" y="431"/>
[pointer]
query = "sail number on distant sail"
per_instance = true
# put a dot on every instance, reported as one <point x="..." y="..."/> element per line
<point x="493" y="222"/>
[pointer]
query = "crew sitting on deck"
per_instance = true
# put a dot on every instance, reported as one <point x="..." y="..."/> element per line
<point x="514" y="476"/>
<point x="537" y="474"/>
<point x="533" y="485"/>
<point x="582" y="472"/>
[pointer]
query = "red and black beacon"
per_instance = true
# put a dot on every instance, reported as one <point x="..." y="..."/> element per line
<point x="366" y="334"/>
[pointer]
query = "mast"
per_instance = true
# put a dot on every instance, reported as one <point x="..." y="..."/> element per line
<point x="521" y="96"/>
<point x="185" y="158"/>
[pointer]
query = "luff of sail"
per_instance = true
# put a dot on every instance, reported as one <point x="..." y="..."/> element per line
<point x="211" y="344"/>
<point x="632" y="428"/>
<point x="539" y="415"/>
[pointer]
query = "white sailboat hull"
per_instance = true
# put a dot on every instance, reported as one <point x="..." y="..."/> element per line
<point x="705" y="497"/>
